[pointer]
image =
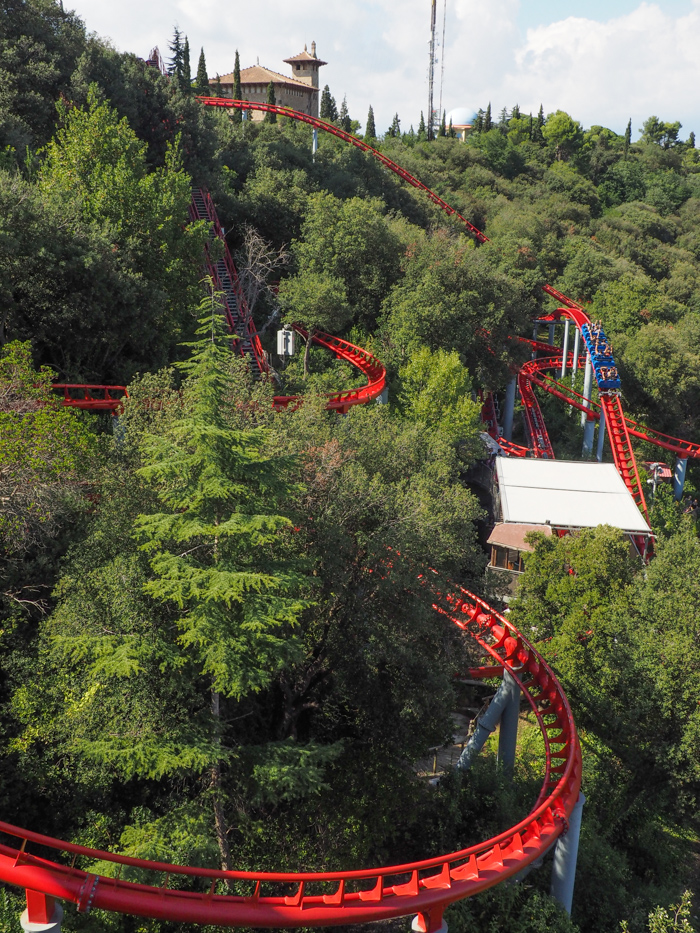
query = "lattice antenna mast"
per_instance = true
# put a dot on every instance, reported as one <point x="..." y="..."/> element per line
<point x="431" y="70"/>
<point x="442" y="57"/>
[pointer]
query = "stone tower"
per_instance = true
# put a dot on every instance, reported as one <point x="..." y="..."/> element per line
<point x="305" y="67"/>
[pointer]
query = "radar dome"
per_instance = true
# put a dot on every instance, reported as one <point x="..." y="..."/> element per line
<point x="460" y="116"/>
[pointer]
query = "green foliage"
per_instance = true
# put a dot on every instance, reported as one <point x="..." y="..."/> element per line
<point x="46" y="453"/>
<point x="117" y="246"/>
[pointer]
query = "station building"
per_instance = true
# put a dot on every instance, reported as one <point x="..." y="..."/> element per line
<point x="300" y="91"/>
<point x="556" y="497"/>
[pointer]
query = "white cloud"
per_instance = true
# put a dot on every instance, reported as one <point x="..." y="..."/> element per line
<point x="377" y="52"/>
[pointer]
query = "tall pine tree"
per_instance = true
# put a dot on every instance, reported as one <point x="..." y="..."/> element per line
<point x="628" y="139"/>
<point x="344" y="117"/>
<point x="488" y="123"/>
<point x="176" y="61"/>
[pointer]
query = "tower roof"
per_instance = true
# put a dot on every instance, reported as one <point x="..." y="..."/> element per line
<point x="305" y="57"/>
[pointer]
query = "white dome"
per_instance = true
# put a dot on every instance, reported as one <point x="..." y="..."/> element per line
<point x="460" y="116"/>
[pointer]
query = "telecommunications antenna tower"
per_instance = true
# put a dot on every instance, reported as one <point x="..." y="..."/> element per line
<point x="431" y="69"/>
<point x="442" y="57"/>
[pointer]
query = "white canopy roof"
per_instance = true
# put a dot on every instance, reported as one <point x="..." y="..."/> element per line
<point x="566" y="494"/>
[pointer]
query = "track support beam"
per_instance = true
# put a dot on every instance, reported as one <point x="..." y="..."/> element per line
<point x="565" y="857"/>
<point x="508" y="732"/>
<point x="601" y="436"/>
<point x="679" y="477"/>
<point x="506" y="697"/>
<point x="509" y="409"/>
<point x="43" y="914"/>
<point x="565" y="349"/>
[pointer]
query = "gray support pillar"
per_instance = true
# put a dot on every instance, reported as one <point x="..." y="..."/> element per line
<point x="565" y="856"/>
<point x="383" y="399"/>
<point x="587" y="384"/>
<point x="422" y="923"/>
<point x="487" y="723"/>
<point x="588" y="436"/>
<point x="565" y="348"/>
<point x="52" y="926"/>
<point x="577" y="343"/>
<point x="601" y="437"/>
<point x="551" y="334"/>
<point x="509" y="409"/>
<point x="508" y="732"/>
<point x="679" y="477"/>
<point x="314" y="144"/>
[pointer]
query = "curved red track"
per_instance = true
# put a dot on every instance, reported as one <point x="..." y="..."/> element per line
<point x="290" y="899"/>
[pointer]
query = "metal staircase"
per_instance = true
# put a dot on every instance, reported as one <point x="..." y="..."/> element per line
<point x="225" y="280"/>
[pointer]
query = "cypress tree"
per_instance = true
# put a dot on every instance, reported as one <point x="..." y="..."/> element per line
<point x="479" y="122"/>
<point x="443" y="127"/>
<point x="515" y="113"/>
<point x="218" y="90"/>
<point x="371" y="129"/>
<point x="691" y="140"/>
<point x="628" y="139"/>
<point x="237" y="92"/>
<point x="531" y="126"/>
<point x="488" y="123"/>
<point x="421" y="127"/>
<point x="202" y="76"/>
<point x="271" y="99"/>
<point x="329" y="109"/>
<point x="395" y="128"/>
<point x="451" y="132"/>
<point x="186" y="83"/>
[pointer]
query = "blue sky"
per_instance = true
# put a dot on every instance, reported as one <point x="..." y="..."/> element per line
<point x="603" y="61"/>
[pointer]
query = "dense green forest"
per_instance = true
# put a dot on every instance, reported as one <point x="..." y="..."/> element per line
<point x="199" y="664"/>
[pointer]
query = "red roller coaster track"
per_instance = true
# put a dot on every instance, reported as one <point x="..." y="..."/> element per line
<point x="293" y="899"/>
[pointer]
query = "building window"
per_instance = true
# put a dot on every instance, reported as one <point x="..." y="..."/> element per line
<point x="507" y="558"/>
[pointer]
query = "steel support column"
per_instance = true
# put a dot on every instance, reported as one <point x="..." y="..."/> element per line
<point x="565" y="348"/>
<point x="565" y="856"/>
<point x="601" y="437"/>
<point x="577" y="343"/>
<point x="551" y="334"/>
<point x="587" y="385"/>
<point x="488" y="722"/>
<point x="43" y="914"/>
<point x="679" y="477"/>
<point x="509" y="409"/>
<point x="508" y="732"/>
<point x="314" y="144"/>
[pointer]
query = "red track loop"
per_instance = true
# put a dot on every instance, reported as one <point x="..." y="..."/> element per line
<point x="288" y="899"/>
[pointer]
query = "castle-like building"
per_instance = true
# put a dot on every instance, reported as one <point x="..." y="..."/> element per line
<point x="299" y="92"/>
